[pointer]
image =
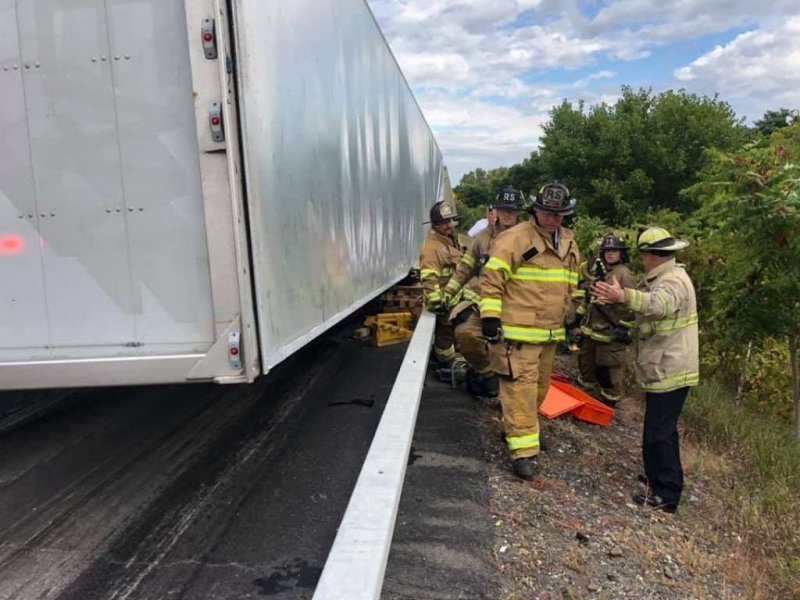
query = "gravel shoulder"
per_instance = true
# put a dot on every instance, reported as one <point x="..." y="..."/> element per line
<point x="574" y="532"/>
<point x="468" y="528"/>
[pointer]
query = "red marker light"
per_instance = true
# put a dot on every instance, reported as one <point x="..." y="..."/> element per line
<point x="234" y="351"/>
<point x="207" y="36"/>
<point x="215" y="120"/>
<point x="11" y="245"/>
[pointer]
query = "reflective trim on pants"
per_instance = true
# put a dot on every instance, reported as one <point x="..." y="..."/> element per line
<point x="523" y="385"/>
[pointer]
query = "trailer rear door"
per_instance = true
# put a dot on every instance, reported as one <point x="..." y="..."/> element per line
<point x="103" y="247"/>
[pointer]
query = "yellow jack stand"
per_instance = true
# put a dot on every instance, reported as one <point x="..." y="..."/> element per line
<point x="390" y="328"/>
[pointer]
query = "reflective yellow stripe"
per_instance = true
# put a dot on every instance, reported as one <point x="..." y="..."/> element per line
<point x="666" y="305"/>
<point x="496" y="264"/>
<point x="452" y="286"/>
<point x="433" y="297"/>
<point x="447" y="271"/>
<point x="546" y="275"/>
<point x="578" y="294"/>
<point x="595" y="335"/>
<point x="520" y="442"/>
<point x="663" y="325"/>
<point x="533" y="335"/>
<point x="491" y="305"/>
<point x="468" y="260"/>
<point x="609" y="396"/>
<point x="486" y="371"/>
<point x="471" y="296"/>
<point x="426" y="273"/>
<point x="628" y="324"/>
<point x="673" y="383"/>
<point x="444" y="353"/>
<point x="635" y="300"/>
<point x="581" y="310"/>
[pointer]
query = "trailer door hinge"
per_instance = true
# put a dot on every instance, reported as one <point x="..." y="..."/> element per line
<point x="234" y="350"/>
<point x="215" y="122"/>
<point x="209" y="37"/>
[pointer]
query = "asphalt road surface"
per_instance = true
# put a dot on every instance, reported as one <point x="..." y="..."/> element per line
<point x="187" y="491"/>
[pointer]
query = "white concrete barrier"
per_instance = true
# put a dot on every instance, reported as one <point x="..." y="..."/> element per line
<point x="357" y="561"/>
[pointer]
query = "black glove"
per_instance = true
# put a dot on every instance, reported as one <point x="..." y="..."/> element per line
<point x="490" y="326"/>
<point x="440" y="309"/>
<point x="622" y="335"/>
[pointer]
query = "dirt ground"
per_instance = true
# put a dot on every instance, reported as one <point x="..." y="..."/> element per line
<point x="574" y="532"/>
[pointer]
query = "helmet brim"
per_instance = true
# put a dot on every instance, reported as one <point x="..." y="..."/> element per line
<point x="565" y="211"/>
<point x="676" y="245"/>
<point x="440" y="221"/>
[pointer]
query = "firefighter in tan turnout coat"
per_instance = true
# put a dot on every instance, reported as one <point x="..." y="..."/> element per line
<point x="463" y="292"/>
<point x="667" y="358"/>
<point x="605" y="330"/>
<point x="525" y="296"/>
<point x="438" y="258"/>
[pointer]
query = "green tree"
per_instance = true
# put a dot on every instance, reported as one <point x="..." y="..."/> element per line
<point x="774" y="119"/>
<point x="479" y="187"/>
<point x="621" y="161"/>
<point x="527" y="175"/>
<point x="752" y="203"/>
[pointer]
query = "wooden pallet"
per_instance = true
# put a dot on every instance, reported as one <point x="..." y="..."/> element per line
<point x="403" y="298"/>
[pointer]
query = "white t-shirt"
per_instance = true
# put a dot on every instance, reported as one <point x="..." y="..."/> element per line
<point x="479" y="226"/>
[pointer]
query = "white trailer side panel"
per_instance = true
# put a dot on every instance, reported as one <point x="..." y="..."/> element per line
<point x="103" y="251"/>
<point x="341" y="167"/>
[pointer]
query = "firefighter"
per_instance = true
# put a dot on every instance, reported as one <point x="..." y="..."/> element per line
<point x="465" y="316"/>
<point x="605" y="330"/>
<point x="438" y="258"/>
<point x="525" y="296"/>
<point x="666" y="358"/>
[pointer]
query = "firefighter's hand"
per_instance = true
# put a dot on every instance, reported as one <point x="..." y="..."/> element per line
<point x="438" y="308"/>
<point x="607" y="293"/>
<point x="490" y="326"/>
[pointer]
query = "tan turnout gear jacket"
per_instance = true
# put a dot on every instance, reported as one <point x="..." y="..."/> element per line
<point x="598" y="322"/>
<point x="464" y="284"/>
<point x="437" y="260"/>
<point x="667" y="356"/>
<point x="527" y="282"/>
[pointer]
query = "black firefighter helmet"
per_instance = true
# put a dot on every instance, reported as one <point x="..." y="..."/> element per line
<point x="612" y="242"/>
<point x="442" y="211"/>
<point x="509" y="198"/>
<point x="554" y="197"/>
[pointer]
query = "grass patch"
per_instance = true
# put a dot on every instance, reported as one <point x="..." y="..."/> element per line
<point x="763" y="501"/>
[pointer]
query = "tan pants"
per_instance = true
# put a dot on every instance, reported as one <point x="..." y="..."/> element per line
<point x="601" y="363"/>
<point x="443" y="348"/>
<point x="524" y="371"/>
<point x="470" y="342"/>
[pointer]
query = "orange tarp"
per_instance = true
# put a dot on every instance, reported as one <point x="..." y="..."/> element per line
<point x="564" y="398"/>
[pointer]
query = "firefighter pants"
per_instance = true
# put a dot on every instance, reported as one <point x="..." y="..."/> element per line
<point x="602" y="362"/>
<point x="524" y="371"/>
<point x="470" y="341"/>
<point x="660" y="445"/>
<point x="443" y="349"/>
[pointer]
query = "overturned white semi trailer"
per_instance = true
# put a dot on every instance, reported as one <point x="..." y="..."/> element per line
<point x="193" y="189"/>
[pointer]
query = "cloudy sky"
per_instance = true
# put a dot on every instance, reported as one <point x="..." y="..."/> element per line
<point x="486" y="72"/>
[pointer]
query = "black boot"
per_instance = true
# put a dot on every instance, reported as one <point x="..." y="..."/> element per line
<point x="491" y="385"/>
<point x="524" y="467"/>
<point x="482" y="386"/>
<point x="655" y="501"/>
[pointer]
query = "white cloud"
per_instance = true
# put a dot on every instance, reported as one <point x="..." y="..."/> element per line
<point x="758" y="70"/>
<point x="473" y="133"/>
<point x="482" y="71"/>
<point x="580" y="83"/>
<point x="688" y="18"/>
